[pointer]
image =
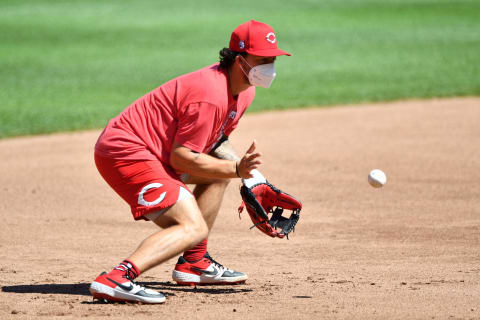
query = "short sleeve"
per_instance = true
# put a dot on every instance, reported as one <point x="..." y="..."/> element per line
<point x="195" y="125"/>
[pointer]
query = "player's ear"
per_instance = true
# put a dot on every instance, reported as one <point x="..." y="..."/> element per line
<point x="242" y="61"/>
<point x="238" y="59"/>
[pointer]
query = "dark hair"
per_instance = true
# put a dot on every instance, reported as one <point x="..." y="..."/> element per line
<point x="227" y="57"/>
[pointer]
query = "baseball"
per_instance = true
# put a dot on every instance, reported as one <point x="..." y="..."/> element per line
<point x="377" y="178"/>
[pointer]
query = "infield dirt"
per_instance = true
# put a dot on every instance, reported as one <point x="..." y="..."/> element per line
<point x="408" y="250"/>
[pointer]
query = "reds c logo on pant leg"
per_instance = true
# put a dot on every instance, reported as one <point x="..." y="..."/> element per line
<point x="144" y="202"/>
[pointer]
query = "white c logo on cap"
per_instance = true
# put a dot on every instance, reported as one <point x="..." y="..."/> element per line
<point x="271" y="37"/>
<point x="144" y="202"/>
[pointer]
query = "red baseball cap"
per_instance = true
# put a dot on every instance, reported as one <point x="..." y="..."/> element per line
<point x="255" y="38"/>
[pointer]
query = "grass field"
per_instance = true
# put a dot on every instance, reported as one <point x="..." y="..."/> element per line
<point x="68" y="65"/>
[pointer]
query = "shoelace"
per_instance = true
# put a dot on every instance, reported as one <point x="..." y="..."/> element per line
<point x="219" y="265"/>
<point x="128" y="276"/>
<point x="135" y="285"/>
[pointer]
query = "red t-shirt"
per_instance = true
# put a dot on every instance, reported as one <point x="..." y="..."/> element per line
<point x="195" y="109"/>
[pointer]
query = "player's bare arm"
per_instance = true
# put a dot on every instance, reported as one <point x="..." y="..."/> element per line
<point x="188" y="161"/>
<point x="224" y="150"/>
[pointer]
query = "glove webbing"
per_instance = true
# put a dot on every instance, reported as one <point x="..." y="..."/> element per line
<point x="277" y="220"/>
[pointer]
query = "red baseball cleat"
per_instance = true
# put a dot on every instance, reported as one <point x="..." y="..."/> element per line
<point x="115" y="288"/>
<point x="205" y="272"/>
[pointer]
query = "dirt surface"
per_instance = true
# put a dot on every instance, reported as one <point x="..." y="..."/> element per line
<point x="408" y="250"/>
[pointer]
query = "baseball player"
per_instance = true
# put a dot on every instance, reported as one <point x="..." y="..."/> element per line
<point x="177" y="135"/>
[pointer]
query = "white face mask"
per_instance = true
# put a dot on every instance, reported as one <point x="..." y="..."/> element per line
<point x="261" y="75"/>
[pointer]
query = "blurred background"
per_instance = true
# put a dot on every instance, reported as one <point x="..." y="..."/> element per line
<point x="72" y="65"/>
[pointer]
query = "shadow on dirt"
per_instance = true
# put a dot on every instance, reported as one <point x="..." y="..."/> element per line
<point x="167" y="288"/>
<point x="74" y="288"/>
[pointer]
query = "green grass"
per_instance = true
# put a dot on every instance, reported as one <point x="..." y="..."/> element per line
<point x="68" y="65"/>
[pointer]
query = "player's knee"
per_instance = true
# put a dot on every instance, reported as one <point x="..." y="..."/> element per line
<point x="201" y="231"/>
<point x="222" y="183"/>
<point x="219" y="182"/>
<point x="197" y="231"/>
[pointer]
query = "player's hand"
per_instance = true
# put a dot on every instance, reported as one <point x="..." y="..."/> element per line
<point x="251" y="160"/>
